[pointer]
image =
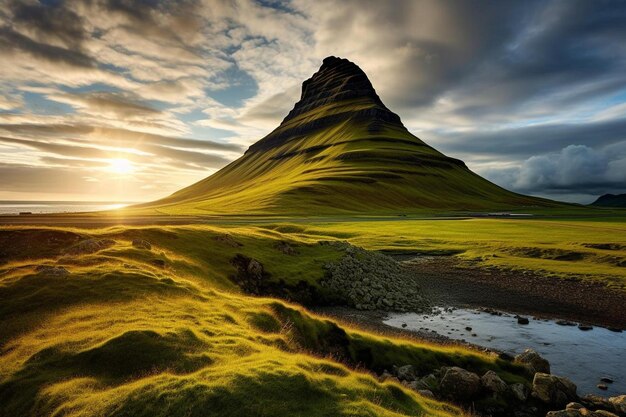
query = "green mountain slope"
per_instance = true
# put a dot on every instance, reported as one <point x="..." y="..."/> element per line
<point x="340" y="150"/>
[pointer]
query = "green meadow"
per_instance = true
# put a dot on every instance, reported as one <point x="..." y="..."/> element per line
<point x="112" y="329"/>
<point x="109" y="328"/>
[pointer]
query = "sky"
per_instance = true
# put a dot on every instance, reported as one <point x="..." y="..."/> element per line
<point x="130" y="100"/>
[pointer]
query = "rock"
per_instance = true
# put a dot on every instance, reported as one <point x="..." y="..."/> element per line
<point x="385" y="375"/>
<point x="492" y="382"/>
<point x="603" y="387"/>
<point x="574" y="406"/>
<point x="565" y="323"/>
<point x="519" y="391"/>
<point x="227" y="240"/>
<point x="584" y="327"/>
<point x="429" y="382"/>
<point x="158" y="262"/>
<point x="406" y="373"/>
<point x="468" y="328"/>
<point x="459" y="384"/>
<point x="564" y="413"/>
<point x="90" y="246"/>
<point x="286" y="248"/>
<point x="597" y="402"/>
<point x="602" y="413"/>
<point x="426" y="393"/>
<point x="522" y="320"/>
<point x="404" y="325"/>
<point x="553" y="390"/>
<point x="619" y="403"/>
<point x="533" y="361"/>
<point x="255" y="268"/>
<point x="53" y="271"/>
<point x="606" y="380"/>
<point x="141" y="244"/>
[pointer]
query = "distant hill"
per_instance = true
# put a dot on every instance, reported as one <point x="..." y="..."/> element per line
<point x="611" y="200"/>
<point x="341" y="150"/>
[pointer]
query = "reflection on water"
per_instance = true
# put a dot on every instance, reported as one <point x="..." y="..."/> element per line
<point x="582" y="356"/>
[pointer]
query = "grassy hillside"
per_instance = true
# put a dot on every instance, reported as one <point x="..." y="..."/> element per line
<point x="92" y="324"/>
<point x="340" y="151"/>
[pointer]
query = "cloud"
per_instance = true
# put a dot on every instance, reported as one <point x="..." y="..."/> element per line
<point x="576" y="169"/>
<point x="495" y="83"/>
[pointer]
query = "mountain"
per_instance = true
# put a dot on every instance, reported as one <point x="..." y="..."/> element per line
<point x="611" y="200"/>
<point x="341" y="150"/>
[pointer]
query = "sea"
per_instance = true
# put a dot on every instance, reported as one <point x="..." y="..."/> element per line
<point x="38" y="207"/>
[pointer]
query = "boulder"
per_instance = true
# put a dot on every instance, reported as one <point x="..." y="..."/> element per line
<point x="564" y="413"/>
<point x="520" y="392"/>
<point x="596" y="402"/>
<point x="619" y="403"/>
<point x="574" y="406"/>
<point x="459" y="384"/>
<point x="429" y="382"/>
<point x="88" y="246"/>
<point x="553" y="390"/>
<point x="602" y="413"/>
<point x="53" y="271"/>
<point x="426" y="393"/>
<point x="286" y="248"/>
<point x="142" y="244"/>
<point x="580" y="412"/>
<point x="533" y="361"/>
<point x="492" y="382"/>
<point x="255" y="268"/>
<point x="406" y="373"/>
<point x="227" y="240"/>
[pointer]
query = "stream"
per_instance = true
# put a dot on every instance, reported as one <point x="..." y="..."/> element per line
<point x="582" y="356"/>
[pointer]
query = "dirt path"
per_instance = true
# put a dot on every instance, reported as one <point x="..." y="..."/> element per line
<point x="447" y="282"/>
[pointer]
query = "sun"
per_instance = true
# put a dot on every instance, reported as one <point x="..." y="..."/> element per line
<point x="121" y="166"/>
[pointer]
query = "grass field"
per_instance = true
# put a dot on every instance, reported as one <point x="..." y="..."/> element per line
<point x="122" y="330"/>
<point x="589" y="249"/>
<point x="107" y="328"/>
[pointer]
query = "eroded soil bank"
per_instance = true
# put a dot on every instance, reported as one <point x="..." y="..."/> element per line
<point x="446" y="281"/>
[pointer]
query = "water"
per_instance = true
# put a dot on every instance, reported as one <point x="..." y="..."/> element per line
<point x="582" y="356"/>
<point x="39" y="207"/>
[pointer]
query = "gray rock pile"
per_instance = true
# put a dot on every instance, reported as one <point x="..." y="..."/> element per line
<point x="369" y="280"/>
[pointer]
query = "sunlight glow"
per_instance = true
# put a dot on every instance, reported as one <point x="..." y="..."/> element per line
<point x="121" y="166"/>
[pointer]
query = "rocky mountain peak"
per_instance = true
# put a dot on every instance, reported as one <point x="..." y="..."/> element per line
<point x="338" y="79"/>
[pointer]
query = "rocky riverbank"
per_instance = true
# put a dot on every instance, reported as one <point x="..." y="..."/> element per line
<point x="489" y="395"/>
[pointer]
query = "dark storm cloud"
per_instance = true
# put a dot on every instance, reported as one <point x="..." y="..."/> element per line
<point x="12" y="41"/>
<point x="49" y="22"/>
<point x="522" y="142"/>
<point x="562" y="46"/>
<point x="575" y="170"/>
